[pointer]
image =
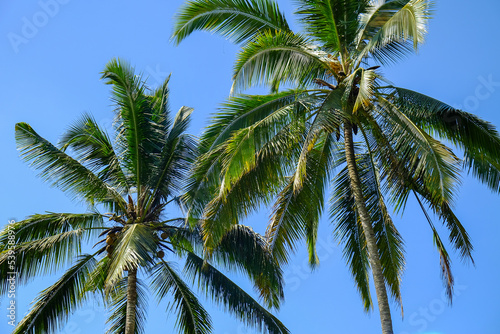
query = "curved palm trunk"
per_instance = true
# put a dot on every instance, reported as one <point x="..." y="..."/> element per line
<point x="131" y="301"/>
<point x="373" y="255"/>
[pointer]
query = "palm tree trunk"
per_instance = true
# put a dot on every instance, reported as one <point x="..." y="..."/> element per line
<point x="131" y="301"/>
<point x="373" y="254"/>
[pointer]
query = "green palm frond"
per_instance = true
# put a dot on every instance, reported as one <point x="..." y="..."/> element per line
<point x="479" y="140"/>
<point x="40" y="226"/>
<point x="55" y="304"/>
<point x="332" y="22"/>
<point x="134" y="248"/>
<point x="444" y="257"/>
<point x="94" y="149"/>
<point x="255" y="187"/>
<point x="174" y="160"/>
<point x="297" y="212"/>
<point x="140" y="131"/>
<point x="235" y="300"/>
<point x="243" y="111"/>
<point x="42" y="256"/>
<point x="62" y="171"/>
<point x="367" y="87"/>
<point x="427" y="159"/>
<point x="349" y="231"/>
<point x="277" y="59"/>
<point x="243" y="249"/>
<point x="237" y="20"/>
<point x="389" y="241"/>
<point x="237" y="113"/>
<point x="390" y="28"/>
<point x="328" y="119"/>
<point x="118" y="304"/>
<point x="192" y="318"/>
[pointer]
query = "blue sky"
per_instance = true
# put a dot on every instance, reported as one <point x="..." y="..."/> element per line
<point x="51" y="57"/>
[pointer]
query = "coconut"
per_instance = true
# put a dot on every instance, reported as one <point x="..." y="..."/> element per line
<point x="109" y="240"/>
<point x="161" y="254"/>
<point x="164" y="235"/>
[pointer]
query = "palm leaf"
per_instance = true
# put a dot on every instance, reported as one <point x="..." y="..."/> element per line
<point x="479" y="140"/>
<point x="63" y="171"/>
<point x="93" y="148"/>
<point x="235" y="300"/>
<point x="332" y="22"/>
<point x="388" y="26"/>
<point x="134" y="248"/>
<point x="279" y="58"/>
<point x="53" y="306"/>
<point x="296" y="212"/>
<point x="241" y="248"/>
<point x="192" y="318"/>
<point x="237" y="20"/>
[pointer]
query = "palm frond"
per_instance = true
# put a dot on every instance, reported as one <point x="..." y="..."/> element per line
<point x="328" y="119"/>
<point x="479" y="140"/>
<point x="243" y="249"/>
<point x="387" y="27"/>
<point x="93" y="148"/>
<point x="140" y="129"/>
<point x="134" y="248"/>
<point x="332" y="22"/>
<point x="64" y="172"/>
<point x="279" y="58"/>
<point x="238" y="20"/>
<point x="349" y="231"/>
<point x="41" y="256"/>
<point x="53" y="306"/>
<point x="225" y="292"/>
<point x="426" y="159"/>
<point x="444" y="258"/>
<point x="237" y="113"/>
<point x="174" y="161"/>
<point x="389" y="241"/>
<point x="253" y="188"/>
<point x="192" y="318"/>
<point x="296" y="212"/>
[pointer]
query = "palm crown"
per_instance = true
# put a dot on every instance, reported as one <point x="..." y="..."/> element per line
<point x="135" y="177"/>
<point x="343" y="124"/>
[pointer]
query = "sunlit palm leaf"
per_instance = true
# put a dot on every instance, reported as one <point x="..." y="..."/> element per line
<point x="277" y="59"/>
<point x="237" y="20"/>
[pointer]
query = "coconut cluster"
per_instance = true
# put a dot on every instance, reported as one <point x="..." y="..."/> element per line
<point x="110" y="241"/>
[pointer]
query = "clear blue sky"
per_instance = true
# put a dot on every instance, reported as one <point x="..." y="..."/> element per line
<point x="52" y="75"/>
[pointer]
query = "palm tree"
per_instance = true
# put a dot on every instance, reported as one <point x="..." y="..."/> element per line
<point x="341" y="115"/>
<point x="135" y="177"/>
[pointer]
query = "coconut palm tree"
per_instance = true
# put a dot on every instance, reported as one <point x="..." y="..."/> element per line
<point x="342" y="124"/>
<point x="135" y="178"/>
